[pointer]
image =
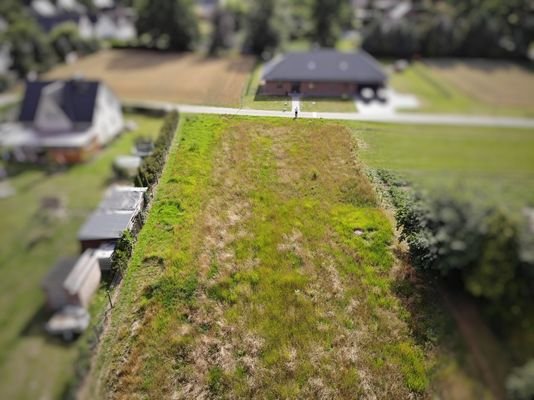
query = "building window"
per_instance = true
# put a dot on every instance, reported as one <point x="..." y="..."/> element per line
<point x="311" y="86"/>
<point x="279" y="86"/>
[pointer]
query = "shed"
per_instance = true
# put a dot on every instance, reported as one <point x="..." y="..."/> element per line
<point x="105" y="227"/>
<point x="72" y="282"/>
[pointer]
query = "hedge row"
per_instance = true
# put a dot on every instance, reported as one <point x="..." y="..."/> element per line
<point x="148" y="175"/>
<point x="485" y="249"/>
<point x="152" y="166"/>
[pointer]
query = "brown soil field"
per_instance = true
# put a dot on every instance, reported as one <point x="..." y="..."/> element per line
<point x="499" y="83"/>
<point x="149" y="75"/>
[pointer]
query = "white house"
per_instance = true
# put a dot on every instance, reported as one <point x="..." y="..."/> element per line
<point x="117" y="23"/>
<point x="64" y="121"/>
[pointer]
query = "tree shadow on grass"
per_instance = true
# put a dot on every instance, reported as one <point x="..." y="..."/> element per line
<point x="438" y="314"/>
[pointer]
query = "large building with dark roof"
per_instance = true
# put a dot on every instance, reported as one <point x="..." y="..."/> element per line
<point x="323" y="72"/>
<point x="64" y="121"/>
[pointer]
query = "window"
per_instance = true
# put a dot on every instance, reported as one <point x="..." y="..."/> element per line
<point x="311" y="86"/>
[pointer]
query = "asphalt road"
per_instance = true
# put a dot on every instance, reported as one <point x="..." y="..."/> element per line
<point x="394" y="118"/>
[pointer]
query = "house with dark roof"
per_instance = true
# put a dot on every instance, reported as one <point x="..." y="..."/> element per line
<point x="64" y="122"/>
<point x="324" y="72"/>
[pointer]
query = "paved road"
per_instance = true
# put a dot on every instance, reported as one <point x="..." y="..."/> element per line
<point x="396" y="118"/>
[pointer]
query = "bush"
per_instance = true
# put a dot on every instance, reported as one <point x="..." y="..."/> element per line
<point x="520" y="383"/>
<point x="122" y="253"/>
<point x="152" y="166"/>
<point x="482" y="248"/>
<point x="6" y="82"/>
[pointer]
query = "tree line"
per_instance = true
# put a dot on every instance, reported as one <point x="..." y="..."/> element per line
<point x="465" y="28"/>
<point x="32" y="49"/>
<point x="455" y="28"/>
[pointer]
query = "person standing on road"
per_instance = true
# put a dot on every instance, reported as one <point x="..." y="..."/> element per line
<point x="296" y="112"/>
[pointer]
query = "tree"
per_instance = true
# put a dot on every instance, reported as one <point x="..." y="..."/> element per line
<point x="223" y="29"/>
<point x="65" y="39"/>
<point x="30" y="49"/>
<point x="263" y="34"/>
<point x="168" y="24"/>
<point x="328" y="19"/>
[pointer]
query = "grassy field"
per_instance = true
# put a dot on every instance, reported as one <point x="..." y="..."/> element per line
<point x="32" y="365"/>
<point x="312" y="104"/>
<point x="469" y="87"/>
<point x="264" y="271"/>
<point x="490" y="164"/>
<point x="149" y="75"/>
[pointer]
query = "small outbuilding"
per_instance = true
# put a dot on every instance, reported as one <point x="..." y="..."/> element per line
<point x="101" y="228"/>
<point x="72" y="282"/>
<point x="322" y="73"/>
<point x="115" y="214"/>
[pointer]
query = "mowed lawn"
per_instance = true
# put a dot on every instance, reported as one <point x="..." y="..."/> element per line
<point x="494" y="165"/>
<point x="264" y="270"/>
<point x="149" y="75"/>
<point x="469" y="87"/>
<point x="32" y="365"/>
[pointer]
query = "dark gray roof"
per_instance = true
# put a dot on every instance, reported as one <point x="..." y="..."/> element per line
<point x="105" y="226"/>
<point x="77" y="99"/>
<point x="325" y="66"/>
<point x="57" y="275"/>
<point x="117" y="200"/>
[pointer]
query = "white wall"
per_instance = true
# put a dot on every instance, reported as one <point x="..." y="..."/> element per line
<point x="108" y="121"/>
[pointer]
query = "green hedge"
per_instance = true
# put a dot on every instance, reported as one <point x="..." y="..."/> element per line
<point x="152" y="166"/>
<point x="483" y="248"/>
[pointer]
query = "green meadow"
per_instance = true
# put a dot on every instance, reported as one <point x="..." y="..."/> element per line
<point x="490" y="165"/>
<point x="264" y="270"/>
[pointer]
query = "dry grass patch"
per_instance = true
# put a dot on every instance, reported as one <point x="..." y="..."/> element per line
<point x="498" y="83"/>
<point x="151" y="75"/>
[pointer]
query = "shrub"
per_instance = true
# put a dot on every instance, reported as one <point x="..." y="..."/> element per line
<point x="483" y="248"/>
<point x="520" y="383"/>
<point x="122" y="253"/>
<point x="152" y="166"/>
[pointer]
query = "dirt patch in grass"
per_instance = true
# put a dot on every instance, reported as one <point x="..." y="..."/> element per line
<point x="149" y="75"/>
<point x="267" y="292"/>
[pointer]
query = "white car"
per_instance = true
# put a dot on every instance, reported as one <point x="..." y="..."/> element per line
<point x="68" y="322"/>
